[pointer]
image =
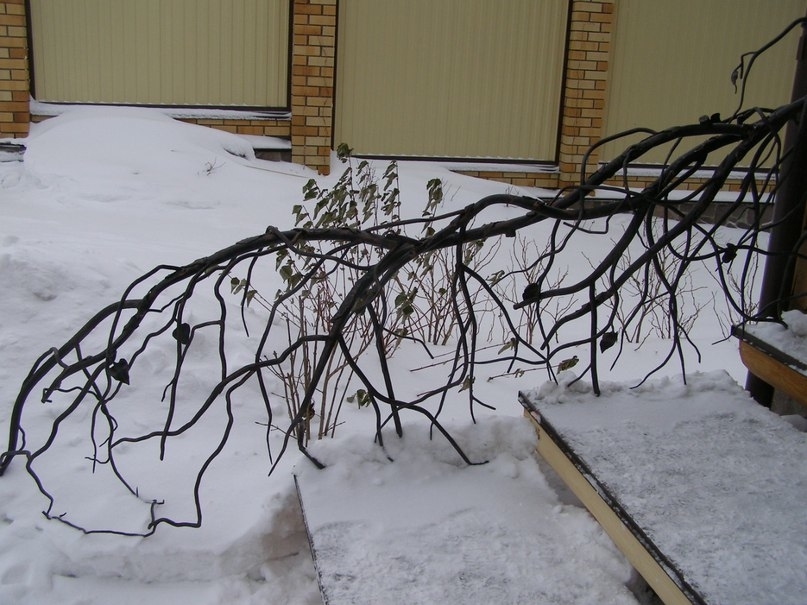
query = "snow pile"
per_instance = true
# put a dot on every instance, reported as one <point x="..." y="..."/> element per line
<point x="103" y="196"/>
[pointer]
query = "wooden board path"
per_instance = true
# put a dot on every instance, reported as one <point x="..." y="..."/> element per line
<point x="428" y="529"/>
<point x="703" y="490"/>
<point x="778" y="368"/>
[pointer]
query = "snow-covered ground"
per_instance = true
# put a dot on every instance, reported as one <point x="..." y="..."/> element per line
<point x="103" y="196"/>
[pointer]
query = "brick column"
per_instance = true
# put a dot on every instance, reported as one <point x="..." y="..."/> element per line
<point x="584" y="93"/>
<point x="312" y="77"/>
<point x="14" y="84"/>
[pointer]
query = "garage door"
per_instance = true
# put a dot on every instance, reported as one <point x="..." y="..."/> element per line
<point x="158" y="52"/>
<point x="668" y="67"/>
<point x="450" y="78"/>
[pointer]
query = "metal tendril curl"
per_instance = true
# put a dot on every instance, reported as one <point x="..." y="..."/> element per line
<point x="91" y="371"/>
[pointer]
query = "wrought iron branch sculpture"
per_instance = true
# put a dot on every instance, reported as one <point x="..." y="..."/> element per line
<point x="94" y="367"/>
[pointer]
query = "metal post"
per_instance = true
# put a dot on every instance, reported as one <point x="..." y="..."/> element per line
<point x="788" y="217"/>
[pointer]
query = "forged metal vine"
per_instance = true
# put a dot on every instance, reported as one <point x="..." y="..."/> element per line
<point x="99" y="363"/>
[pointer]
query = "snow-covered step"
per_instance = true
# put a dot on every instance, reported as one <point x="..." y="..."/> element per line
<point x="11" y="151"/>
<point x="413" y="524"/>
<point x="269" y="148"/>
<point x="701" y="488"/>
<point x="777" y="353"/>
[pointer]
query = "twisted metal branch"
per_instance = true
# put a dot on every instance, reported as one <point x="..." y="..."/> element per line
<point x="81" y="374"/>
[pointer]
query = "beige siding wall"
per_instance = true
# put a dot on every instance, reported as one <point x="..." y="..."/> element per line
<point x="672" y="61"/>
<point x="177" y="52"/>
<point x="450" y="78"/>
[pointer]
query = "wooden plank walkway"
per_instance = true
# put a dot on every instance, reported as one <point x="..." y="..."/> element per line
<point x="439" y="539"/>
<point x="702" y="489"/>
<point x="775" y="366"/>
<point x="428" y="530"/>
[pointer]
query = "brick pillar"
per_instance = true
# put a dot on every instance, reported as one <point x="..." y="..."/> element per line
<point x="14" y="83"/>
<point x="312" y="75"/>
<point x="582" y="116"/>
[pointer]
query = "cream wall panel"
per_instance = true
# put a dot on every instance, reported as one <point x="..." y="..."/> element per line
<point x="672" y="61"/>
<point x="450" y="78"/>
<point x="161" y="52"/>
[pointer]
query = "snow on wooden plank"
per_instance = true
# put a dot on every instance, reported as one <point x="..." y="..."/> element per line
<point x="433" y="541"/>
<point x="788" y="338"/>
<point x="428" y="529"/>
<point x="777" y="374"/>
<point x="777" y="353"/>
<point x="705" y="488"/>
<point x="665" y="581"/>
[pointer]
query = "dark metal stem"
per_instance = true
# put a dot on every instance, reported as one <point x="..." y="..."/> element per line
<point x="788" y="218"/>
